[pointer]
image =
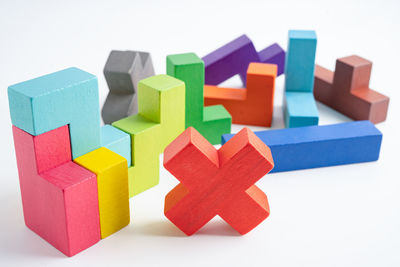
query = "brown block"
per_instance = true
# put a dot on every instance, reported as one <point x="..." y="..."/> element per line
<point x="347" y="90"/>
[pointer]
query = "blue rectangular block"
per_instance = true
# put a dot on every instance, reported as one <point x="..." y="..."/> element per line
<point x="321" y="146"/>
<point x="300" y="61"/>
<point x="300" y="109"/>
<point x="65" y="97"/>
<point x="117" y="141"/>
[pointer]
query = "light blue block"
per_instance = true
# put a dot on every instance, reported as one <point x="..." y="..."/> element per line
<point x="300" y="61"/>
<point x="300" y="109"/>
<point x="48" y="102"/>
<point x="117" y="141"/>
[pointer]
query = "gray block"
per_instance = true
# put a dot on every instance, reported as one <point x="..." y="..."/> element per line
<point x="123" y="71"/>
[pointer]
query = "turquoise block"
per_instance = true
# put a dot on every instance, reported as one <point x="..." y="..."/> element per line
<point x="300" y="61"/>
<point x="117" y="141"/>
<point x="300" y="109"/>
<point x="48" y="102"/>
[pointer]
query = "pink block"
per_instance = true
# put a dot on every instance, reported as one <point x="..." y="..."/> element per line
<point x="59" y="197"/>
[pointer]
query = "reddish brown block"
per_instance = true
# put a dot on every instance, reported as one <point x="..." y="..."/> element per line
<point x="347" y="90"/>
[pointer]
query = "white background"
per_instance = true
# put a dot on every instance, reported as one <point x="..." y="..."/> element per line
<point x="336" y="216"/>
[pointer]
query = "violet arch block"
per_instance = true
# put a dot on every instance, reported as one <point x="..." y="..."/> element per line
<point x="69" y="96"/>
<point x="235" y="57"/>
<point x="321" y="146"/>
<point x="300" y="108"/>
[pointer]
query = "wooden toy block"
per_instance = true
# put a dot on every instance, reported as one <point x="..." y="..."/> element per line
<point x="112" y="185"/>
<point x="252" y="105"/>
<point x="211" y="121"/>
<point x="347" y="90"/>
<point x="161" y="118"/>
<point x="65" y="97"/>
<point x="235" y="57"/>
<point x="299" y="105"/>
<point x="273" y="54"/>
<point x="300" y="109"/>
<point x="217" y="182"/>
<point x="321" y="146"/>
<point x="59" y="197"/>
<point x="117" y="141"/>
<point x="123" y="71"/>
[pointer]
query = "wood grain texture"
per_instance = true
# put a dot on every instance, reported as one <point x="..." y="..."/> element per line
<point x="160" y="120"/>
<point x="212" y="121"/>
<point x="59" y="197"/>
<point x="321" y="146"/>
<point x="217" y="182"/>
<point x="252" y="105"/>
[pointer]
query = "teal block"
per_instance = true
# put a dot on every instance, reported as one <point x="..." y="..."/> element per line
<point x="300" y="61"/>
<point x="69" y="96"/>
<point x="117" y="141"/>
<point x="300" y="109"/>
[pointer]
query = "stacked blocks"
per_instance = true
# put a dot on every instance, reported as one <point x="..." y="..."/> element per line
<point x="299" y="107"/>
<point x="160" y="120"/>
<point x="252" y="105"/>
<point x="56" y="120"/>
<point x="235" y="57"/>
<point x="123" y="71"/>
<point x="321" y="146"/>
<point x="211" y="121"/>
<point x="217" y="182"/>
<point x="347" y="90"/>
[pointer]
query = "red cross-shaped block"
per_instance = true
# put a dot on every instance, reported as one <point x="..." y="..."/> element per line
<point x="217" y="182"/>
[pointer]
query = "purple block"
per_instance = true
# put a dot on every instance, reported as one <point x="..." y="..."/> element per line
<point x="229" y="60"/>
<point x="235" y="57"/>
<point x="273" y="54"/>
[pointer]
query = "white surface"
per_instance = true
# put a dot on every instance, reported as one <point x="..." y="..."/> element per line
<point x="337" y="216"/>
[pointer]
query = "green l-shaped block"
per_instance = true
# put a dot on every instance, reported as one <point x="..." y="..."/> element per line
<point x="212" y="121"/>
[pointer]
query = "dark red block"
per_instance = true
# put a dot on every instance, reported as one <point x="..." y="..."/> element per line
<point x="347" y="90"/>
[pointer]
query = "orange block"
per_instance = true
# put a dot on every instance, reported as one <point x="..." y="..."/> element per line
<point x="252" y="105"/>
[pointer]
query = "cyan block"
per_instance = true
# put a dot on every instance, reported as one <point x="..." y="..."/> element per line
<point x="300" y="110"/>
<point x="117" y="141"/>
<point x="48" y="102"/>
<point x="321" y="146"/>
<point x="300" y="61"/>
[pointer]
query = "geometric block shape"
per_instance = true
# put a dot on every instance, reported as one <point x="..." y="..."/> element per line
<point x="321" y="146"/>
<point x="234" y="58"/>
<point x="347" y="90"/>
<point x="211" y="121"/>
<point x="252" y="105"/>
<point x="65" y="97"/>
<point x="300" y="61"/>
<point x="117" y="141"/>
<point x="123" y="71"/>
<point x="299" y="104"/>
<point x="59" y="197"/>
<point x="112" y="182"/>
<point x="300" y="109"/>
<point x="160" y="120"/>
<point x="217" y="182"/>
<point x="273" y="54"/>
